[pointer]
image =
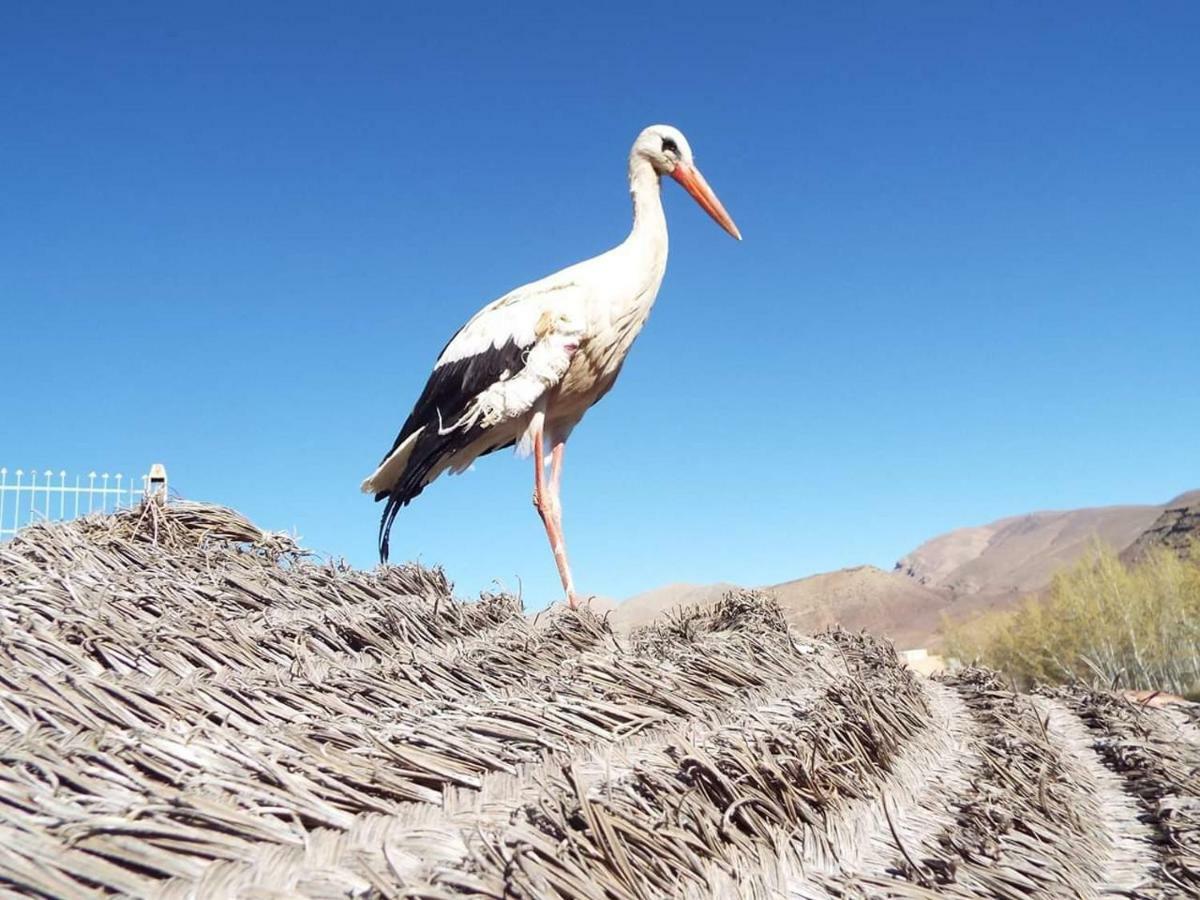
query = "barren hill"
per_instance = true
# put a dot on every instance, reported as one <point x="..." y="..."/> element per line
<point x="191" y="708"/>
<point x="863" y="598"/>
<point x="641" y="609"/>
<point x="957" y="575"/>
<point x="1018" y="555"/>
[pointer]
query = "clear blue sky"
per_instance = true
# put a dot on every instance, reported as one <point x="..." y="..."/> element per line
<point x="235" y="239"/>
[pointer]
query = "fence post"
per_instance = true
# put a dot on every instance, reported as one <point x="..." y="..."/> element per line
<point x="158" y="482"/>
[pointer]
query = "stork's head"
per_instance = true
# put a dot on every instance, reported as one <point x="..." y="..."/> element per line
<point x="668" y="151"/>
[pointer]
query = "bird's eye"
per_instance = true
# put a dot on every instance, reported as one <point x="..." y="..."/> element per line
<point x="669" y="146"/>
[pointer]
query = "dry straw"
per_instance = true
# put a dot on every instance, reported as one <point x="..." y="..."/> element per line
<point x="190" y="706"/>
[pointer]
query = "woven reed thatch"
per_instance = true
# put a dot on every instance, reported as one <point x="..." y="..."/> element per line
<point x="191" y="707"/>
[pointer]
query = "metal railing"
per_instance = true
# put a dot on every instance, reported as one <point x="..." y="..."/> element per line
<point x="28" y="496"/>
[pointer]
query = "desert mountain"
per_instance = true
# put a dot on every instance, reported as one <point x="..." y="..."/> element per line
<point x="645" y="607"/>
<point x="864" y="597"/>
<point x="957" y="575"/>
<point x="859" y="597"/>
<point x="1176" y="528"/>
<point x="1019" y="555"/>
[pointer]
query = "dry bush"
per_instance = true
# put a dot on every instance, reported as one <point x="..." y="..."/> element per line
<point x="1136" y="626"/>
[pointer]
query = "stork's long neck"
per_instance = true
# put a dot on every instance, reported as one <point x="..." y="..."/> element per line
<point x="648" y="239"/>
<point x="628" y="277"/>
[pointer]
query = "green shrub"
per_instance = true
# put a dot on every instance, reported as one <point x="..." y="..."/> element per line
<point x="1101" y="622"/>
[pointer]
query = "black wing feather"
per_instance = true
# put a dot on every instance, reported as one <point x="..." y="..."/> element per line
<point x="451" y="387"/>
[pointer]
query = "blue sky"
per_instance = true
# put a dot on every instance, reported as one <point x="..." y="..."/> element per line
<point x="234" y="241"/>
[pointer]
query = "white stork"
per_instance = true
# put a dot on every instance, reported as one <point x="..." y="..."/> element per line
<point x="527" y="366"/>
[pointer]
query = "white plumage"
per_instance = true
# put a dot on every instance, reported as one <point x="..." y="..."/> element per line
<point x="527" y="366"/>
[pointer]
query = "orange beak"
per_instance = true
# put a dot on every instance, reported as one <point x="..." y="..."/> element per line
<point x="693" y="182"/>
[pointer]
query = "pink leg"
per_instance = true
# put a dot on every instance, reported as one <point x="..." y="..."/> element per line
<point x="556" y="465"/>
<point x="545" y="498"/>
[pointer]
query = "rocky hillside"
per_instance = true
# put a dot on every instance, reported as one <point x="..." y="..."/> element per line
<point x="862" y="598"/>
<point x="956" y="575"/>
<point x="1020" y="554"/>
<point x="191" y="708"/>
<point x="1177" y="528"/>
<point x="644" y="608"/>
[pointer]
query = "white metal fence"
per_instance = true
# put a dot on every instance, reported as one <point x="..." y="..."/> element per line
<point x="28" y="495"/>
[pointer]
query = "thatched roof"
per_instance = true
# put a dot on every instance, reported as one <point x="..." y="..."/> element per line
<point x="191" y="707"/>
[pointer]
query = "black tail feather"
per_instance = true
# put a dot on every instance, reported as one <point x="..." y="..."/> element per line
<point x="397" y="498"/>
<point x="451" y="387"/>
<point x="413" y="482"/>
<point x="385" y="528"/>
